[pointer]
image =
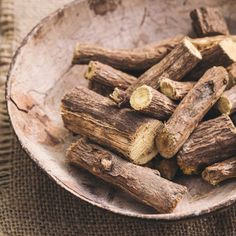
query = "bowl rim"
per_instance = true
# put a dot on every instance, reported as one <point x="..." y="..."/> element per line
<point x="170" y="217"/>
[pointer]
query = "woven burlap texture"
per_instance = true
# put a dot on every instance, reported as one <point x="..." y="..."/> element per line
<point x="35" y="205"/>
<point x="32" y="204"/>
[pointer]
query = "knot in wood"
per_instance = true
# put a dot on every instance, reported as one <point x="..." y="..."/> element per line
<point x="225" y="81"/>
<point x="211" y="86"/>
<point x="156" y="172"/>
<point x="106" y="164"/>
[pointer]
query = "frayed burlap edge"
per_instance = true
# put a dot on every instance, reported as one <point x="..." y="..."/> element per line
<point x="7" y="47"/>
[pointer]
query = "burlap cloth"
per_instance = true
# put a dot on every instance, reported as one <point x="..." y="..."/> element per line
<point x="30" y="202"/>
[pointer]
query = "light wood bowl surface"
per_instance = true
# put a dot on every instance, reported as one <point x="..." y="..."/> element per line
<point x="41" y="74"/>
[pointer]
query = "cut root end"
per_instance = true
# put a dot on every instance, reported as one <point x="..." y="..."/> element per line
<point x="165" y="143"/>
<point x="141" y="98"/>
<point x="229" y="47"/>
<point x="144" y="147"/>
<point x="192" y="48"/>
<point x="117" y="96"/>
<point x="167" y="89"/>
<point x="224" y="105"/>
<point x="89" y="74"/>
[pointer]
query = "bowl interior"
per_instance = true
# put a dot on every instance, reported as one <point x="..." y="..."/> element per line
<point x="42" y="73"/>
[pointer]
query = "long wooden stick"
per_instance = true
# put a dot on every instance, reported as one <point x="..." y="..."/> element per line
<point x="205" y="43"/>
<point x="174" y="66"/>
<point x="191" y="110"/>
<point x="139" y="59"/>
<point x="89" y="114"/>
<point x="141" y="182"/>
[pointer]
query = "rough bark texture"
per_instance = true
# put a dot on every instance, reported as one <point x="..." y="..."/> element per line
<point x="221" y="54"/>
<point x="124" y="131"/>
<point x="208" y="21"/>
<point x="191" y="110"/>
<point x="139" y="59"/>
<point x="175" y="90"/>
<point x="104" y="79"/>
<point x="212" y="141"/>
<point x="174" y="66"/>
<point x="221" y="171"/>
<point x="149" y="101"/>
<point x="167" y="168"/>
<point x="232" y="75"/>
<point x="227" y="102"/>
<point x="141" y="182"/>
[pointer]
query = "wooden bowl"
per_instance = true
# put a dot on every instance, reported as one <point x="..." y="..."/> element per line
<point x="41" y="74"/>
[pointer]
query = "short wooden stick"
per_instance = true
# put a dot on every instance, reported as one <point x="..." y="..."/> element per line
<point x="208" y="21"/>
<point x="175" y="90"/>
<point x="104" y="79"/>
<point x="220" y="172"/>
<point x="149" y="101"/>
<point x="89" y="114"/>
<point x="212" y="141"/>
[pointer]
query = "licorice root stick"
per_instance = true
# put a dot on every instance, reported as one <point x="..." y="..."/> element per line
<point x="124" y="131"/>
<point x="140" y="182"/>
<point x="191" y="110"/>
<point x="104" y="79"/>
<point x="212" y="141"/>
<point x="139" y="59"/>
<point x="182" y="59"/>
<point x="220" y="172"/>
